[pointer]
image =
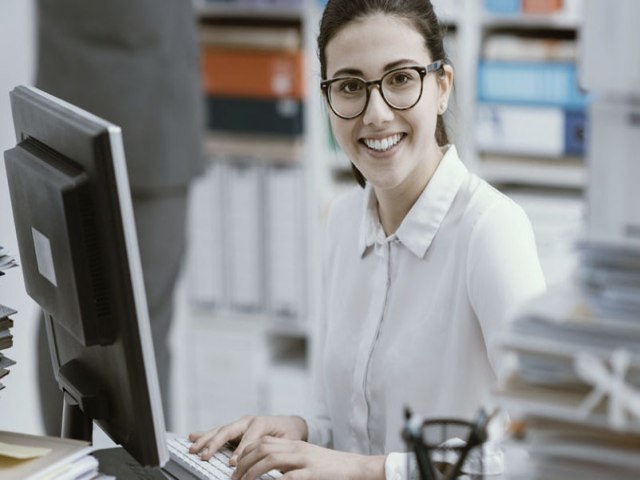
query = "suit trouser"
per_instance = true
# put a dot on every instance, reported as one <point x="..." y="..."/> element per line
<point x="160" y="225"/>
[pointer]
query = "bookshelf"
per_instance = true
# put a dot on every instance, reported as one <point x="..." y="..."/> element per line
<point x="536" y="46"/>
<point x="251" y="291"/>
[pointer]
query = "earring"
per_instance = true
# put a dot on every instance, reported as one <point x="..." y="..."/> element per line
<point x="443" y="107"/>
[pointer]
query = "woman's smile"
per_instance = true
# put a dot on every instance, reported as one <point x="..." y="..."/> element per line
<point x="384" y="144"/>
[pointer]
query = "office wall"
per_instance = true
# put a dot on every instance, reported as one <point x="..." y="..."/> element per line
<point x="19" y="404"/>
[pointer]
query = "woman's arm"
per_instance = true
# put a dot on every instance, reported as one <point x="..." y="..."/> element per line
<point x="302" y="460"/>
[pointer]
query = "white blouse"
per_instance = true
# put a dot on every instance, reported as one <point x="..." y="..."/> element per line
<point x="410" y="319"/>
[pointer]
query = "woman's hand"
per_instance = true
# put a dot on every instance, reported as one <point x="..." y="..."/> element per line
<point x="247" y="430"/>
<point x="300" y="460"/>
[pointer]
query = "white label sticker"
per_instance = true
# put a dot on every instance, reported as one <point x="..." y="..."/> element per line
<point x="44" y="256"/>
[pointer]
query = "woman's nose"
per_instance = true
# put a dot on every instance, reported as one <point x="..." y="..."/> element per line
<point x="377" y="111"/>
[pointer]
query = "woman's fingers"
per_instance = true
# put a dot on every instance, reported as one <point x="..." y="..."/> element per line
<point x="266" y="454"/>
<point x="256" y="429"/>
<point x="199" y="439"/>
<point x="210" y="442"/>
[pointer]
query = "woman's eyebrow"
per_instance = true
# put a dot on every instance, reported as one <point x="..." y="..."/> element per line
<point x="389" y="66"/>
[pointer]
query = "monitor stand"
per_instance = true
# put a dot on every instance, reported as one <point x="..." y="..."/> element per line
<point x="83" y="401"/>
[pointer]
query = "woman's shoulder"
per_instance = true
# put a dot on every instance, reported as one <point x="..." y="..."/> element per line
<point x="482" y="201"/>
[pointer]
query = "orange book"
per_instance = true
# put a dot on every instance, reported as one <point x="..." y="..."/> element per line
<point x="541" y="6"/>
<point x="252" y="73"/>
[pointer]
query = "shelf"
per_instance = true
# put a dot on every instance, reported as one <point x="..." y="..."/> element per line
<point x="555" y="173"/>
<point x="262" y="149"/>
<point x="206" y="9"/>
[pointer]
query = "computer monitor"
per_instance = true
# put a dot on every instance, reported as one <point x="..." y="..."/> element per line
<point x="74" y="222"/>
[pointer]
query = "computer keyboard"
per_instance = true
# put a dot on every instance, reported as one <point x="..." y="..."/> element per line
<point x="185" y="465"/>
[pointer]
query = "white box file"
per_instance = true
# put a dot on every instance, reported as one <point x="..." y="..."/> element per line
<point x="520" y="130"/>
<point x="614" y="172"/>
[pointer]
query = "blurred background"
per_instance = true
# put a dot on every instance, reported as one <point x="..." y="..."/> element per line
<point x="248" y="293"/>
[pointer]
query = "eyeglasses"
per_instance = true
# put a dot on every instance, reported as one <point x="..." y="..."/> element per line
<point x="400" y="88"/>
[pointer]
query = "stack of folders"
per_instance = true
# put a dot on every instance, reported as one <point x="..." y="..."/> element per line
<point x="6" y="340"/>
<point x="253" y="79"/>
<point x="6" y="260"/>
<point x="31" y="457"/>
<point x="6" y="323"/>
<point x="574" y="372"/>
<point x="529" y="100"/>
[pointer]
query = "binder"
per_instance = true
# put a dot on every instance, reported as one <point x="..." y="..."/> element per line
<point x="541" y="83"/>
<point x="502" y="6"/>
<point x="528" y="130"/>
<point x="284" y="39"/>
<point x="265" y="148"/>
<point x="250" y="73"/>
<point x="255" y="116"/>
<point x="285" y="230"/>
<point x="244" y="245"/>
<point x="520" y="130"/>
<point x="614" y="142"/>
<point x="575" y="128"/>
<point x="542" y="6"/>
<point x="205" y="241"/>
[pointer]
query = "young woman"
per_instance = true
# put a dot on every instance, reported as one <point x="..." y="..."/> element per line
<point x="423" y="265"/>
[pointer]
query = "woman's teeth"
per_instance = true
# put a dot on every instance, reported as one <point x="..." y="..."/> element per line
<point x="382" y="145"/>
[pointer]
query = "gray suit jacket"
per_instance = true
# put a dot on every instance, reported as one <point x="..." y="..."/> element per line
<point x="136" y="64"/>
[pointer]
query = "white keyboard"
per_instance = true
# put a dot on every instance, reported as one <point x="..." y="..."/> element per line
<point x="185" y="465"/>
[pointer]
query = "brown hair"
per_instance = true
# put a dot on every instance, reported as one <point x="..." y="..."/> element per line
<point x="338" y="13"/>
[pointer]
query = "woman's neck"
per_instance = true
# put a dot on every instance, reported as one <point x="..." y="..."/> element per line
<point x="394" y="204"/>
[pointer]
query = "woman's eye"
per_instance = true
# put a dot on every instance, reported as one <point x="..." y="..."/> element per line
<point x="400" y="78"/>
<point x="350" y="86"/>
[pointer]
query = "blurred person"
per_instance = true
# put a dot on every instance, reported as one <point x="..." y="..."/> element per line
<point x="134" y="63"/>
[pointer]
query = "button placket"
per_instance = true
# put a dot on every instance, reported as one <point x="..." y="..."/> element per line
<point x="385" y="259"/>
<point x="360" y="414"/>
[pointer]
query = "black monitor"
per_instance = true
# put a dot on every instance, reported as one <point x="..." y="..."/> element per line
<point x="79" y="252"/>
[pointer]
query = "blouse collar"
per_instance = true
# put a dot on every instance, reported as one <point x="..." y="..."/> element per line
<point x="421" y="223"/>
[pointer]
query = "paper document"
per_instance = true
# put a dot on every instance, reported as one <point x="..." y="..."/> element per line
<point x="21" y="451"/>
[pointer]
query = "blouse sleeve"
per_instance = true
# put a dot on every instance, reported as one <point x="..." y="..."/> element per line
<point x="503" y="270"/>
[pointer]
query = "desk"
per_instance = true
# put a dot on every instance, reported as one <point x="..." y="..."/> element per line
<point x="117" y="462"/>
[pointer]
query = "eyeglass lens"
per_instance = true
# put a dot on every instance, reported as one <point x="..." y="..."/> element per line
<point x="399" y="88"/>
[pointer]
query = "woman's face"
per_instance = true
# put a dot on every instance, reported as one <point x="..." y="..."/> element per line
<point x="391" y="148"/>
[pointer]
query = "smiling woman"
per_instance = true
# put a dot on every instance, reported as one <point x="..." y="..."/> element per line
<point x="422" y="268"/>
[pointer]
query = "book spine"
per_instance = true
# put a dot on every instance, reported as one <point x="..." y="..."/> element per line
<point x="241" y="115"/>
<point x="253" y="73"/>
<point x="503" y="6"/>
<point x="575" y="127"/>
<point x="524" y="130"/>
<point x="542" y="6"/>
<point x="548" y="84"/>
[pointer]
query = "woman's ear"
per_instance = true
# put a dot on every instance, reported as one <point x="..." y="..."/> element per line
<point x="445" y="84"/>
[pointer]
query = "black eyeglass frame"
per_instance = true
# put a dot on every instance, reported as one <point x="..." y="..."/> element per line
<point x="422" y="71"/>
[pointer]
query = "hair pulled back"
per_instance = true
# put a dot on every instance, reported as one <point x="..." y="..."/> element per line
<point x="339" y="13"/>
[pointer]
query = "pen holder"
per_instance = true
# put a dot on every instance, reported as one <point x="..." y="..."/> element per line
<point x="443" y="446"/>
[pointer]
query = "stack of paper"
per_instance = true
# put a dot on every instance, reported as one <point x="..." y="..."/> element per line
<point x="34" y="457"/>
<point x="573" y="358"/>
<point x="611" y="276"/>
<point x="6" y="260"/>
<point x="6" y="339"/>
